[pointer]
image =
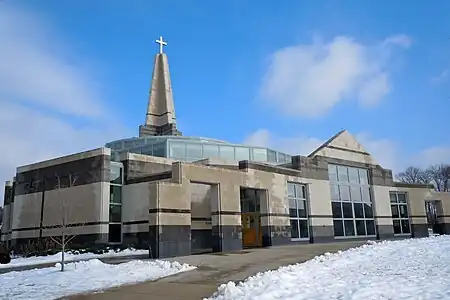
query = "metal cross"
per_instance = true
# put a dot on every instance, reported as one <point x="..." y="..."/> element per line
<point x="161" y="44"/>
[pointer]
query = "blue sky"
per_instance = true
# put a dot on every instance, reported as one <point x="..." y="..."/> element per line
<point x="74" y="75"/>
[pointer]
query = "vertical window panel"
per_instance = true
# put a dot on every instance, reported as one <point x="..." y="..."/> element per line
<point x="332" y="173"/>
<point x="298" y="212"/>
<point x="351" y="201"/>
<point x="400" y="215"/>
<point x="342" y="174"/>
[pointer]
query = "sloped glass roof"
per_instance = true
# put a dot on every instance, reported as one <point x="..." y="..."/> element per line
<point x="189" y="148"/>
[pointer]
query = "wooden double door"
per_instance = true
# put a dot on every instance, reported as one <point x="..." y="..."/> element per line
<point x="251" y="230"/>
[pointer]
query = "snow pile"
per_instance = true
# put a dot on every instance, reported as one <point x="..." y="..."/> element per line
<point x="81" y="277"/>
<point x="407" y="269"/>
<point x="36" y="260"/>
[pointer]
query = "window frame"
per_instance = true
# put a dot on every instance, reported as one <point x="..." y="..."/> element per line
<point x="207" y="150"/>
<point x="178" y="147"/>
<point x="238" y="151"/>
<point x="337" y="186"/>
<point x="228" y="150"/>
<point x="396" y="203"/>
<point x="193" y="151"/>
<point x="297" y="198"/>
<point x="117" y="186"/>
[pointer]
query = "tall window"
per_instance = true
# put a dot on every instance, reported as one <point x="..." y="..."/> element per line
<point x="351" y="201"/>
<point x="400" y="216"/>
<point x="298" y="211"/>
<point x="115" y="203"/>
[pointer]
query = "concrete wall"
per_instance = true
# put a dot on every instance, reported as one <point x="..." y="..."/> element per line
<point x="176" y="204"/>
<point x="443" y="217"/>
<point x="8" y="204"/>
<point x="5" y="228"/>
<point x="444" y="214"/>
<point x="80" y="182"/>
<point x="201" y="228"/>
<point x="7" y="231"/>
<point x="138" y="165"/>
<point x="26" y="216"/>
<point x="224" y="199"/>
<point x="382" y="211"/>
<point x="135" y="212"/>
<point x="169" y="220"/>
<point x="85" y="208"/>
<point x="416" y="208"/>
<point x="65" y="159"/>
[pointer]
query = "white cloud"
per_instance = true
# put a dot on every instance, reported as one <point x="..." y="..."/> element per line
<point x="400" y="40"/>
<point x="386" y="152"/>
<point x="374" y="89"/>
<point x="433" y="155"/>
<point x="292" y="145"/>
<point x="309" y="80"/>
<point x="441" y="77"/>
<point x="44" y="96"/>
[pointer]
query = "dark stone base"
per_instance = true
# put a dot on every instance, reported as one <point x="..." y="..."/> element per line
<point x="384" y="232"/>
<point x="442" y="228"/>
<point x="201" y="239"/>
<point x="137" y="240"/>
<point x="300" y="242"/>
<point x="321" y="234"/>
<point x="355" y="239"/>
<point x="169" y="240"/>
<point x="27" y="245"/>
<point x="226" y="238"/>
<point x="275" y="235"/>
<point x="152" y="130"/>
<point x="419" y="230"/>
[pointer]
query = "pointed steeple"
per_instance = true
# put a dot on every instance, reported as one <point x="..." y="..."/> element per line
<point x="160" y="118"/>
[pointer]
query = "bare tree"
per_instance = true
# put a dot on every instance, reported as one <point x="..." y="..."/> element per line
<point x="439" y="176"/>
<point x="65" y="237"/>
<point x="413" y="175"/>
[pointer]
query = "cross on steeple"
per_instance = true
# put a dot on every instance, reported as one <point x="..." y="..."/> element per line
<point x="161" y="44"/>
<point x="160" y="117"/>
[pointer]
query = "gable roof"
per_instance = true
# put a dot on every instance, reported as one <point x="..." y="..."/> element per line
<point x="324" y="145"/>
<point x="343" y="145"/>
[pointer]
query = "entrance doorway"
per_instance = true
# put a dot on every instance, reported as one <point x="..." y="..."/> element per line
<point x="433" y="209"/>
<point x="251" y="217"/>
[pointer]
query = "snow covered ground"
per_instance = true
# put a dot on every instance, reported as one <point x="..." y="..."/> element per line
<point x="406" y="269"/>
<point x="79" y="277"/>
<point x="36" y="260"/>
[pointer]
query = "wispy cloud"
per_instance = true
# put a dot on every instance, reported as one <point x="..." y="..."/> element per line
<point x="44" y="93"/>
<point x="441" y="77"/>
<point x="310" y="79"/>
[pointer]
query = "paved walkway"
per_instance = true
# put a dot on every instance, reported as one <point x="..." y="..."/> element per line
<point x="215" y="269"/>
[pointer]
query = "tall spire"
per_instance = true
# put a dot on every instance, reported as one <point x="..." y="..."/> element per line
<point x="160" y="118"/>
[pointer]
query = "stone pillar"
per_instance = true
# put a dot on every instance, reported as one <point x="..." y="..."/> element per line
<point x="321" y="228"/>
<point x="382" y="212"/>
<point x="7" y="201"/>
<point x="444" y="212"/>
<point x="275" y="225"/>
<point x="226" y="218"/>
<point x="415" y="197"/>
<point x="169" y="220"/>
<point x="443" y="216"/>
